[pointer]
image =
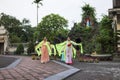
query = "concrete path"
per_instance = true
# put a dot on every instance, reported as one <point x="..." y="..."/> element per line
<point x="109" y="70"/>
<point x="27" y="69"/>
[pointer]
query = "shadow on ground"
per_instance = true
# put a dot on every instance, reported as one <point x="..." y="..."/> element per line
<point x="5" y="61"/>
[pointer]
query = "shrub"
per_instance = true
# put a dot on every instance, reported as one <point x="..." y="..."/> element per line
<point x="30" y="48"/>
<point x="20" y="49"/>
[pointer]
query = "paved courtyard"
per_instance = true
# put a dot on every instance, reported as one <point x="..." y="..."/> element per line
<point x="96" y="71"/>
<point x="29" y="69"/>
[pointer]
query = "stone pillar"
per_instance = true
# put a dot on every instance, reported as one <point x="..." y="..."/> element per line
<point x="118" y="21"/>
<point x="3" y="40"/>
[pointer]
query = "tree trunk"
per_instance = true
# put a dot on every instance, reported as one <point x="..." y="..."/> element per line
<point x="37" y="14"/>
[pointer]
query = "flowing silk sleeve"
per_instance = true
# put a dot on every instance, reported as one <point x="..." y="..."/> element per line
<point x="74" y="52"/>
<point x="37" y="48"/>
<point x="74" y="43"/>
<point x="54" y="49"/>
<point x="79" y="44"/>
<point x="60" y="47"/>
<point x="81" y="48"/>
<point x="49" y="48"/>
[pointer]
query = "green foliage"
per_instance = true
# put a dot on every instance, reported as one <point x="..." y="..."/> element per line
<point x="87" y="35"/>
<point x="9" y="21"/>
<point x="88" y="12"/>
<point x="18" y="31"/>
<point x="37" y="1"/>
<point x="94" y="38"/>
<point x="106" y="36"/>
<point x="28" y="31"/>
<point x="100" y="39"/>
<point x="15" y="39"/>
<point x="50" y="26"/>
<point x="31" y="47"/>
<point x="61" y="36"/>
<point x="20" y="49"/>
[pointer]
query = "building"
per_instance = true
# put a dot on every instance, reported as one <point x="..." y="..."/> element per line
<point x="3" y="40"/>
<point x="114" y="14"/>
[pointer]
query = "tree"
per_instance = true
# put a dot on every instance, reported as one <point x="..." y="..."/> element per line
<point x="61" y="36"/>
<point x="30" y="47"/>
<point x="106" y="35"/>
<point x="88" y="14"/>
<point x="76" y="31"/>
<point x="20" y="49"/>
<point x="27" y="34"/>
<point x="87" y="29"/>
<point x="14" y="39"/>
<point x="25" y="21"/>
<point x="9" y="21"/>
<point x="86" y="35"/>
<point x="50" y="26"/>
<point x="37" y="2"/>
<point x="12" y="25"/>
<point x="18" y="31"/>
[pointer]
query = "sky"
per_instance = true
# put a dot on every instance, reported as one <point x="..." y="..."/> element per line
<point x="69" y="9"/>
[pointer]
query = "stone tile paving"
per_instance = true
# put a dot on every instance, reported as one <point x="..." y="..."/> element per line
<point x="29" y="69"/>
<point x="96" y="71"/>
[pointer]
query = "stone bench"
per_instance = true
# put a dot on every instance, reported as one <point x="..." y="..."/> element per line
<point x="103" y="57"/>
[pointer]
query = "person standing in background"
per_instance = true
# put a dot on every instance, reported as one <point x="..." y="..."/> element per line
<point x="44" y="49"/>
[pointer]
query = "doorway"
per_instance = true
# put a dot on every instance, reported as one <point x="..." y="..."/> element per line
<point x="1" y="48"/>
